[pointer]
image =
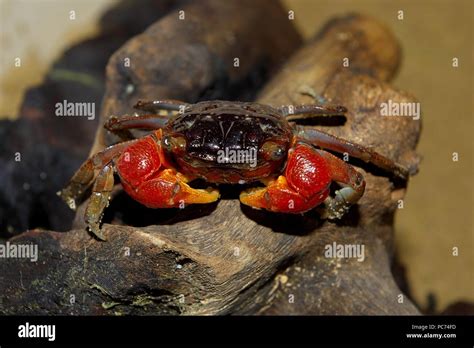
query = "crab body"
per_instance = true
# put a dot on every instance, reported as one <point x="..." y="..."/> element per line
<point x="228" y="142"/>
<point x="225" y="142"/>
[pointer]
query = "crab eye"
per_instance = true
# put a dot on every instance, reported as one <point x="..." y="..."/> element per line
<point x="273" y="151"/>
<point x="173" y="144"/>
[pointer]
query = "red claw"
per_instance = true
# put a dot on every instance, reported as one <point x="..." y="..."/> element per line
<point x="304" y="186"/>
<point x="146" y="177"/>
<point x="307" y="171"/>
<point x="139" y="162"/>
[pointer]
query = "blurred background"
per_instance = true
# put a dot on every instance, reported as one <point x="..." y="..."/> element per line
<point x="438" y="209"/>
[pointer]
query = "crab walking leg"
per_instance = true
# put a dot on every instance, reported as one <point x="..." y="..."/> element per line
<point x="155" y="106"/>
<point x="330" y="142"/>
<point x="99" y="200"/>
<point x="352" y="182"/>
<point x="304" y="185"/>
<point x="298" y="112"/>
<point x="152" y="122"/>
<point x="121" y="126"/>
<point x="84" y="176"/>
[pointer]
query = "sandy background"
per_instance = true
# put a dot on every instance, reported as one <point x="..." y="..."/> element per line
<point x="438" y="212"/>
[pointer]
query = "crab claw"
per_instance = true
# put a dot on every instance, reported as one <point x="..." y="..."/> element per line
<point x="280" y="197"/>
<point x="305" y="185"/>
<point x="169" y="189"/>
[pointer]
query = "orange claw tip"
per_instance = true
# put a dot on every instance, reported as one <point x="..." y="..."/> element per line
<point x="196" y="196"/>
<point x="254" y="197"/>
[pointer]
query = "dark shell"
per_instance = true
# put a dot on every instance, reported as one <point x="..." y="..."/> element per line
<point x="212" y="127"/>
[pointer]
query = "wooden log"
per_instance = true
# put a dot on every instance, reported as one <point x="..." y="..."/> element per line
<point x="229" y="259"/>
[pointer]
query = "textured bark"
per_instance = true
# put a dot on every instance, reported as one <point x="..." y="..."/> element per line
<point x="225" y="258"/>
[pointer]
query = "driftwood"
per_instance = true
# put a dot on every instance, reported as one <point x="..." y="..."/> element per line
<point x="225" y="258"/>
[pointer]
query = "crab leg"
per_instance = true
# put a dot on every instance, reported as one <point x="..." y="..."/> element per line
<point x="121" y="126"/>
<point x="330" y="142"/>
<point x="156" y="105"/>
<point x="99" y="200"/>
<point x="84" y="176"/>
<point x="298" y="112"/>
<point x="352" y="182"/>
<point x="151" y="122"/>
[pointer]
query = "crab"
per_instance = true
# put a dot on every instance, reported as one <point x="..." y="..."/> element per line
<point x="225" y="142"/>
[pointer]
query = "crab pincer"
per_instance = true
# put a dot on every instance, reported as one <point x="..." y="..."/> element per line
<point x="305" y="184"/>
